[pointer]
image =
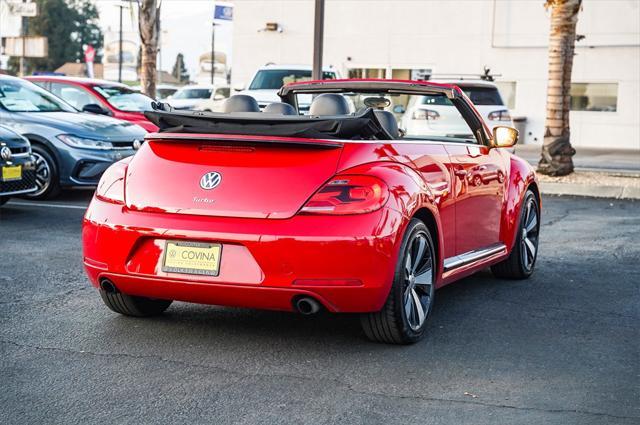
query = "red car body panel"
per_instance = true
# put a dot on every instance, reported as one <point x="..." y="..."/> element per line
<point x="88" y="85"/>
<point x="273" y="252"/>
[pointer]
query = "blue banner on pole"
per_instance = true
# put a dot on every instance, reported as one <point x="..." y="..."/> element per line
<point x="223" y="13"/>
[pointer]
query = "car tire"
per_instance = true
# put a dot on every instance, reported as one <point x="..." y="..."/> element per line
<point x="47" y="176"/>
<point x="129" y="305"/>
<point x="522" y="259"/>
<point x="399" y="321"/>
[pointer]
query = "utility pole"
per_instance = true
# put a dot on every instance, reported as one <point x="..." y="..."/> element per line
<point x="318" y="35"/>
<point x="213" y="50"/>
<point x="120" y="46"/>
<point x="24" y="31"/>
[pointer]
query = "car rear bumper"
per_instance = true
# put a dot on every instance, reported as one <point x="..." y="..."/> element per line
<point x="345" y="262"/>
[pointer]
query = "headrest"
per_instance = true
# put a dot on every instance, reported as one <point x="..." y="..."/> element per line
<point x="329" y="104"/>
<point x="280" y="109"/>
<point x="240" y="103"/>
<point x="388" y="121"/>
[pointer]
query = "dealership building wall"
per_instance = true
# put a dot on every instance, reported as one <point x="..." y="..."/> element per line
<point x="392" y="38"/>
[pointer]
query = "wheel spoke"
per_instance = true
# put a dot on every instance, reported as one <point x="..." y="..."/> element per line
<point x="407" y="265"/>
<point x="531" y="248"/>
<point x="408" y="304"/>
<point x="425" y="278"/>
<point x="422" y="244"/>
<point x="525" y="253"/>
<point x="532" y="224"/>
<point x="418" y="307"/>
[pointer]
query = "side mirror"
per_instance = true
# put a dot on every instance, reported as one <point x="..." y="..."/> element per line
<point x="95" y="109"/>
<point x="218" y="96"/>
<point x="399" y="109"/>
<point x="504" y="137"/>
<point x="239" y="87"/>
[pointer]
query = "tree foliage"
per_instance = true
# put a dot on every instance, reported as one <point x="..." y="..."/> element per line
<point x="180" y="70"/>
<point x="68" y="25"/>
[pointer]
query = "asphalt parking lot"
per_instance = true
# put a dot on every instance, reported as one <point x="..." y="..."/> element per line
<point x="561" y="348"/>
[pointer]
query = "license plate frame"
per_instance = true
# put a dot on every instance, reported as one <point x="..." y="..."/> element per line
<point x="202" y="266"/>
<point x="9" y="174"/>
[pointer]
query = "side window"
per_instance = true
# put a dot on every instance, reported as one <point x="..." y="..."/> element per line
<point x="432" y="117"/>
<point x="76" y="96"/>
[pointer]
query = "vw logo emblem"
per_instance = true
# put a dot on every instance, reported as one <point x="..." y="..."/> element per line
<point x="5" y="153"/>
<point x="136" y="144"/>
<point x="210" y="180"/>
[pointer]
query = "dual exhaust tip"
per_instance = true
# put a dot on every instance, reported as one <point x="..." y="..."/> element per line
<point x="306" y="306"/>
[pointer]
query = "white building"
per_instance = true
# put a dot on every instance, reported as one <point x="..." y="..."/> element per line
<point x="389" y="38"/>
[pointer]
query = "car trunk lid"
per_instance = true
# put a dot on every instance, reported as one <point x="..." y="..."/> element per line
<point x="259" y="177"/>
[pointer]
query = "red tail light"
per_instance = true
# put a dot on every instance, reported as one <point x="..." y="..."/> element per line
<point x="111" y="185"/>
<point x="348" y="195"/>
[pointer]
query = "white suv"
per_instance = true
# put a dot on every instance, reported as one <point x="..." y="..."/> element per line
<point x="433" y="115"/>
<point x="268" y="79"/>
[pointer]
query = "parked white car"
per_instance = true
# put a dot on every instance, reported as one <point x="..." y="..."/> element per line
<point x="433" y="115"/>
<point x="268" y="79"/>
<point x="214" y="104"/>
<point x="190" y="97"/>
<point x="163" y="91"/>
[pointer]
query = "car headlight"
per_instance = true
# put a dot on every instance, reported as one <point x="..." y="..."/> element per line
<point x="83" y="143"/>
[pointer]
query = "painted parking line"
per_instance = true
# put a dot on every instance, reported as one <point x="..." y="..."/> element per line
<point x="40" y="204"/>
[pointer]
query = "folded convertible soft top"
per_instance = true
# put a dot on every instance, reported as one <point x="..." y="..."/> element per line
<point x="360" y="125"/>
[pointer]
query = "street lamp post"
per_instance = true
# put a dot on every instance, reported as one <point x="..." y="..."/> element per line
<point x="318" y="35"/>
<point x="120" y="46"/>
<point x="213" y="51"/>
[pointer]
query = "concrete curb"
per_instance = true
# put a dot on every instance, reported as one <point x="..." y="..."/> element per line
<point x="576" y="189"/>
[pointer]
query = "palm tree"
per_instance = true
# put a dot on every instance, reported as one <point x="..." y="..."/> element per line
<point x="557" y="150"/>
<point x="149" y="26"/>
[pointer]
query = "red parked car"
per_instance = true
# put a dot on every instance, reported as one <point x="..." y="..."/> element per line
<point x="335" y="210"/>
<point x="100" y="97"/>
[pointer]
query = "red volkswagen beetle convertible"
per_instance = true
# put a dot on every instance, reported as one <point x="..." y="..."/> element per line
<point x="337" y="210"/>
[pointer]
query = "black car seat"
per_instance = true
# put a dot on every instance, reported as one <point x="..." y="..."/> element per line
<point x="329" y="104"/>
<point x="388" y="121"/>
<point x="280" y="109"/>
<point x="240" y="103"/>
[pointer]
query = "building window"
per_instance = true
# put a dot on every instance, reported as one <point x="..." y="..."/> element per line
<point x="507" y="91"/>
<point x="594" y="97"/>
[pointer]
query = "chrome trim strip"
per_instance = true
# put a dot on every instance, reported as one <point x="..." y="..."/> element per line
<point x="18" y="192"/>
<point x="21" y="155"/>
<point x="472" y="256"/>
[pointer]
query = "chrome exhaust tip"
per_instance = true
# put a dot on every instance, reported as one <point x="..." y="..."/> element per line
<point x="306" y="306"/>
<point x="107" y="286"/>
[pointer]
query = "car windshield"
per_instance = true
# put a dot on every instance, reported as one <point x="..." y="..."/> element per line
<point x="23" y="96"/>
<point x="164" y="93"/>
<point x="273" y="79"/>
<point x="192" y="94"/>
<point x="477" y="95"/>
<point x="431" y="117"/>
<point x="124" y="98"/>
<point x="483" y="95"/>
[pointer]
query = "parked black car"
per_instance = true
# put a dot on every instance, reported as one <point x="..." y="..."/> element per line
<point x="17" y="165"/>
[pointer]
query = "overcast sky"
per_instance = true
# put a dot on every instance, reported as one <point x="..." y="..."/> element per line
<point x="186" y="29"/>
